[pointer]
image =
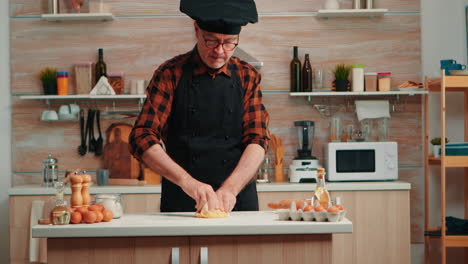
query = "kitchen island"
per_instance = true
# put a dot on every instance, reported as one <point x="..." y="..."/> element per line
<point x="379" y="211"/>
<point x="244" y="237"/>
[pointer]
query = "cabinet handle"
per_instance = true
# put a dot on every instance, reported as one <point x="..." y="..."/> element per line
<point x="204" y="255"/>
<point x="175" y="256"/>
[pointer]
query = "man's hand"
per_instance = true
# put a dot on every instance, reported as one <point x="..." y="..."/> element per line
<point x="227" y="199"/>
<point x="202" y="193"/>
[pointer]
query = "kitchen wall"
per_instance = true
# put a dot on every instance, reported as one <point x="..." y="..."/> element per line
<point x="5" y="130"/>
<point x="146" y="33"/>
<point x="444" y="36"/>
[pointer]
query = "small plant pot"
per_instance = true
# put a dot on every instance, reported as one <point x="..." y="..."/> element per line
<point x="50" y="88"/>
<point x="341" y="85"/>
<point x="436" y="151"/>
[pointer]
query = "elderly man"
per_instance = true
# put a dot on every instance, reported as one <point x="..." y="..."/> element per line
<point x="205" y="107"/>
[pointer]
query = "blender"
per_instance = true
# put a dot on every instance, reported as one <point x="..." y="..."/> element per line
<point x="304" y="167"/>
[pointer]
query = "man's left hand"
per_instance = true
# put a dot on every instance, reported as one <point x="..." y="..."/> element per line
<point x="227" y="199"/>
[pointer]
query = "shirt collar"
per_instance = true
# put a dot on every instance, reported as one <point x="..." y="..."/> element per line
<point x="201" y="68"/>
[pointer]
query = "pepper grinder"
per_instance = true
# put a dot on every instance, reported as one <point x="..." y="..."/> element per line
<point x="85" y="189"/>
<point x="76" y="199"/>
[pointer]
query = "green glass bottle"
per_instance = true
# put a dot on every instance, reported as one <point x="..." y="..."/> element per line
<point x="295" y="72"/>
<point x="100" y="68"/>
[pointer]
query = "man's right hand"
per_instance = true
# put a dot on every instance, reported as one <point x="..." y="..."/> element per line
<point x="202" y="193"/>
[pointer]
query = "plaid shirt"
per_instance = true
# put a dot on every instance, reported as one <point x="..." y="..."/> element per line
<point x="151" y="126"/>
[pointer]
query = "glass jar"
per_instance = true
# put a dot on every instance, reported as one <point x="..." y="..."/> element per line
<point x="49" y="171"/>
<point x="111" y="201"/>
<point x="384" y="81"/>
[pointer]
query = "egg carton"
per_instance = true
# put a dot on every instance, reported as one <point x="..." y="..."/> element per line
<point x="299" y="215"/>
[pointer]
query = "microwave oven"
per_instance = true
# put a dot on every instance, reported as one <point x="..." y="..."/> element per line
<point x="361" y="161"/>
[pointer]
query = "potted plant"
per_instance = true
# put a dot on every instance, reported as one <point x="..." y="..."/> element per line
<point x="49" y="81"/>
<point x="341" y="73"/>
<point x="436" y="142"/>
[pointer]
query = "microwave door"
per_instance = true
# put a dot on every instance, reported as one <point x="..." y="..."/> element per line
<point x="355" y="164"/>
<point x="349" y="161"/>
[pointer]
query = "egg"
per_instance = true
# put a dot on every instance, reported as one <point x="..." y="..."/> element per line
<point x="82" y="210"/>
<point x="308" y="208"/>
<point x="107" y="215"/>
<point x="333" y="209"/>
<point x="319" y="208"/>
<point x="75" y="218"/>
<point x="101" y="207"/>
<point x="340" y="207"/>
<point x="99" y="216"/>
<point x="89" y="217"/>
<point x="94" y="208"/>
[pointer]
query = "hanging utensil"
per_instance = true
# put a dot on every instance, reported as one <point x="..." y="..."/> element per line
<point x="92" y="140"/>
<point x="99" y="141"/>
<point x="82" y="148"/>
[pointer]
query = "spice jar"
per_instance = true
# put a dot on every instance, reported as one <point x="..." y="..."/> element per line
<point x="384" y="80"/>
<point x="62" y="83"/>
<point x="370" y="81"/>
<point x="111" y="202"/>
<point x="84" y="77"/>
<point x="50" y="171"/>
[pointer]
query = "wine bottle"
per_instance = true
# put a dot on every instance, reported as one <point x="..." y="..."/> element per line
<point x="295" y="73"/>
<point x="100" y="69"/>
<point x="306" y="83"/>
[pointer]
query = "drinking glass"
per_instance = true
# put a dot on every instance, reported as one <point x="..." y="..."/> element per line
<point x="383" y="129"/>
<point x="318" y="78"/>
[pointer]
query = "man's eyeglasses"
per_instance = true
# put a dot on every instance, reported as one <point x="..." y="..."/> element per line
<point x="212" y="44"/>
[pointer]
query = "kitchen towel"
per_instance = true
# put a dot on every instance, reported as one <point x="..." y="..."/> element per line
<point x="370" y="109"/>
<point x="37" y="246"/>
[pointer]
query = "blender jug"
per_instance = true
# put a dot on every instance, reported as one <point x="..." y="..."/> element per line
<point x="305" y="130"/>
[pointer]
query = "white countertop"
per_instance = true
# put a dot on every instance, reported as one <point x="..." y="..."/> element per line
<point x="261" y="187"/>
<point x="186" y="224"/>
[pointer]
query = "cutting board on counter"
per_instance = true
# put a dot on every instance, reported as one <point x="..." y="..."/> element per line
<point x="123" y="168"/>
<point x="117" y="158"/>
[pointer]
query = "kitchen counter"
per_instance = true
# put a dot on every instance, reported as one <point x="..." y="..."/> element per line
<point x="261" y="187"/>
<point x="244" y="237"/>
<point x="186" y="224"/>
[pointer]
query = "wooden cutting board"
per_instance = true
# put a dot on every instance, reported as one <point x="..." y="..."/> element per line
<point x="117" y="158"/>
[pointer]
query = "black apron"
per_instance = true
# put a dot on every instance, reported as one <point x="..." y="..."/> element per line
<point x="204" y="136"/>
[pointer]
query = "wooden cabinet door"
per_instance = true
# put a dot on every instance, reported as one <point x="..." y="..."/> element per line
<point x="267" y="249"/>
<point x="115" y="250"/>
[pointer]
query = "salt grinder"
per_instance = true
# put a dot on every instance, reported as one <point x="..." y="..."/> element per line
<point x="85" y="189"/>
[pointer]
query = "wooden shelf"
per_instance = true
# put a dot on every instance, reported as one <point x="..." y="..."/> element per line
<point x="433" y="160"/>
<point x="412" y="92"/>
<point x="456" y="241"/>
<point x="327" y="13"/>
<point x="456" y="161"/>
<point x="78" y="17"/>
<point x="457" y="83"/>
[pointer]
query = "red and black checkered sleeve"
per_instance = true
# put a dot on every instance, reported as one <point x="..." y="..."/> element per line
<point x="256" y="118"/>
<point x="151" y="123"/>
